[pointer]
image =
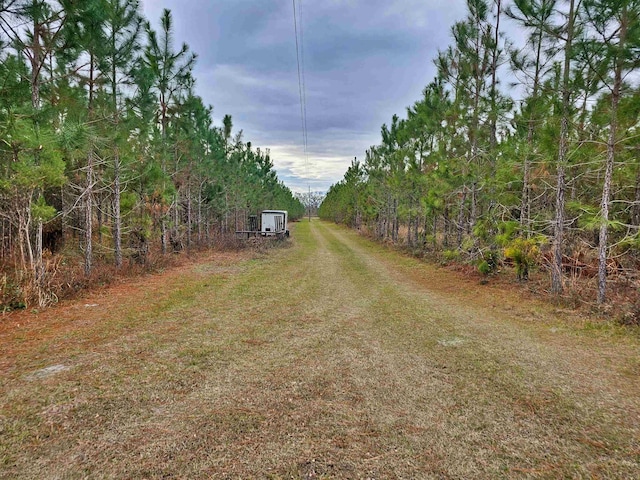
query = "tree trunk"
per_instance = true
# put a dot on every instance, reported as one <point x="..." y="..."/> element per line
<point x="396" y="221"/>
<point x="36" y="60"/>
<point x="200" y="214"/>
<point x="611" y="154"/>
<point x="416" y="232"/>
<point x="117" y="218"/>
<point x="435" y="231"/>
<point x="39" y="268"/>
<point x="88" y="211"/>
<point x="189" y="220"/>
<point x="176" y="218"/>
<point x="635" y="212"/>
<point x="558" y="237"/>
<point x="409" y="226"/>
<point x="525" y="205"/>
<point x="24" y="220"/>
<point x="461" y="215"/>
<point x="24" y="242"/>
<point x="226" y="213"/>
<point x="558" y="240"/>
<point x="525" y="202"/>
<point x="163" y="234"/>
<point x="4" y="240"/>
<point x="493" y="130"/>
<point x="604" y="209"/>
<point x="474" y="207"/>
<point x="235" y="215"/>
<point x="117" y="190"/>
<point x="446" y="226"/>
<point x="99" y="217"/>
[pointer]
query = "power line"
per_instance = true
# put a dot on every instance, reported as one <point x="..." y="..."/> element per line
<point x="304" y="87"/>
<point x="299" y="36"/>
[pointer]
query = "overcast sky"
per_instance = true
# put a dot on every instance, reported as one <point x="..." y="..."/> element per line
<point x="364" y="61"/>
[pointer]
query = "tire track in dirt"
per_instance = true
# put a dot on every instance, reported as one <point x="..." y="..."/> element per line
<point x="491" y="351"/>
<point x="329" y="359"/>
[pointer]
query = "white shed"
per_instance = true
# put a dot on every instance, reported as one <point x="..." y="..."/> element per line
<point x="274" y="223"/>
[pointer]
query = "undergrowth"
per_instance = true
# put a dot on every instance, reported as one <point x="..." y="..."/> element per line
<point x="522" y="274"/>
<point x="65" y="278"/>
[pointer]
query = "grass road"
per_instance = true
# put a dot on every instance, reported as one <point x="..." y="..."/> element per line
<point x="333" y="358"/>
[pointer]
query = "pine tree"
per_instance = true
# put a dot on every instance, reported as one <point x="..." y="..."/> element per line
<point x="533" y="61"/>
<point x="568" y="37"/>
<point x="171" y="72"/>
<point x="615" y="29"/>
<point x="123" y="24"/>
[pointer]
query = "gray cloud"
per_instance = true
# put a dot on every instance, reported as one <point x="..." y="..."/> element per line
<point x="364" y="61"/>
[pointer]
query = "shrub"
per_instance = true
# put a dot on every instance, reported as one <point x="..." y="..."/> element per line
<point x="484" y="267"/>
<point x="524" y="252"/>
<point x="11" y="294"/>
<point x="489" y="263"/>
<point x="451" y="255"/>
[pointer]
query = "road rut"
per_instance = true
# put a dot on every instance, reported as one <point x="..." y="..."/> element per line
<point x="332" y="358"/>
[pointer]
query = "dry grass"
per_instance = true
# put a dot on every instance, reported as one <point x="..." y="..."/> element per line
<point x="65" y="278"/>
<point x="332" y="359"/>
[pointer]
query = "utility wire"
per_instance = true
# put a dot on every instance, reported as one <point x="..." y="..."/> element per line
<point x="299" y="36"/>
<point x="300" y="84"/>
<point x="304" y="87"/>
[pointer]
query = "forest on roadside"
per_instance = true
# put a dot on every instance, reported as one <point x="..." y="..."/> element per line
<point x="521" y="152"/>
<point x="107" y="154"/>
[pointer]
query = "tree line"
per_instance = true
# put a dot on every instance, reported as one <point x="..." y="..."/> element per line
<point x="106" y="151"/>
<point x="525" y="152"/>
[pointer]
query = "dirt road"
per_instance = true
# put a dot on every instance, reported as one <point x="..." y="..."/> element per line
<point x="333" y="358"/>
